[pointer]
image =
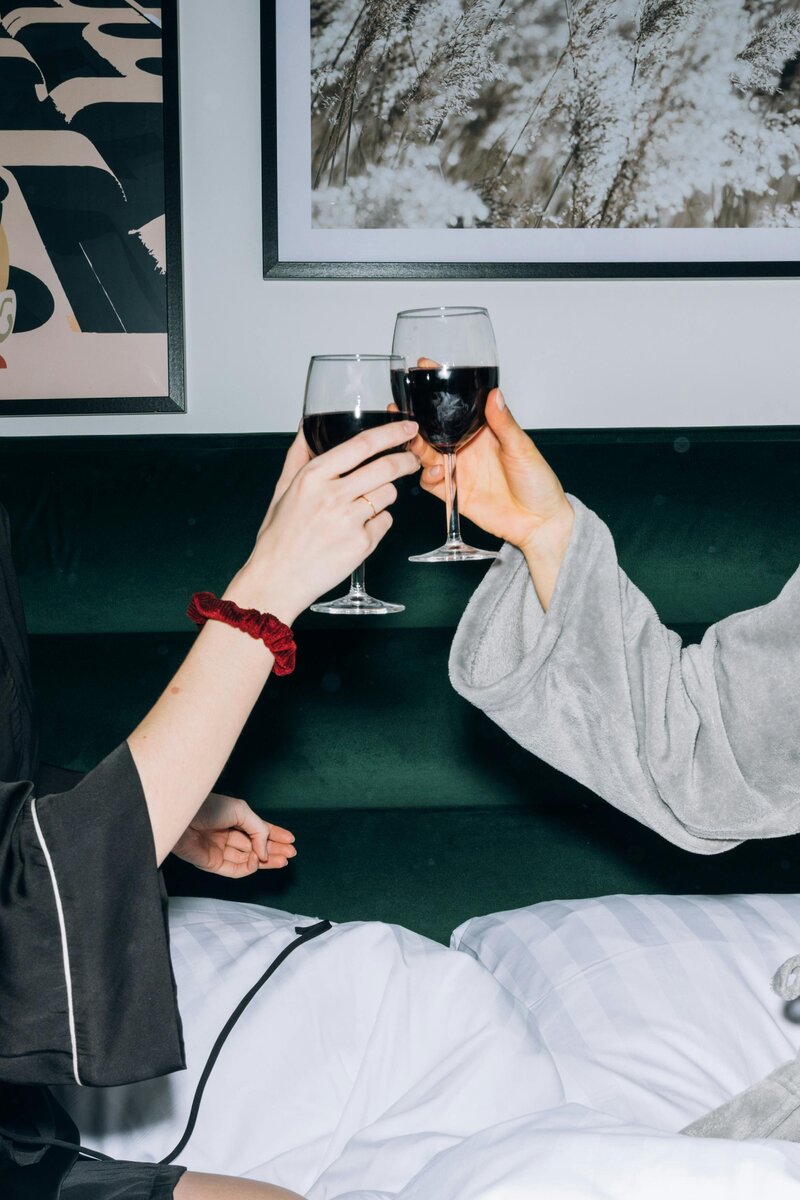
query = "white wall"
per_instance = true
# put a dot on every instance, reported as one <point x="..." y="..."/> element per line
<point x="572" y="354"/>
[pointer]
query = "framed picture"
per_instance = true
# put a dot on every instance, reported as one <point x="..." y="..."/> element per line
<point x="530" y="138"/>
<point x="91" y="302"/>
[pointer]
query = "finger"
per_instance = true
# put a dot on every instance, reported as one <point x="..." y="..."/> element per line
<point x="254" y="827"/>
<point x="237" y="840"/>
<point x="375" y="474"/>
<point x="280" y="850"/>
<point x="377" y="528"/>
<point x="297" y="457"/>
<point x="278" y="834"/>
<point x="419" y="446"/>
<point x="345" y="458"/>
<point x="235" y="850"/>
<point x="239" y="870"/>
<point x="378" y="500"/>
<point x="214" y="859"/>
<point x="274" y="863"/>
<point x="512" y="438"/>
<point x="425" y="453"/>
<point x="433" y="479"/>
<point x="428" y="364"/>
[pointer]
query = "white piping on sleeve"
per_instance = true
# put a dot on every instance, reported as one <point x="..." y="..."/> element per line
<point x="64" y="947"/>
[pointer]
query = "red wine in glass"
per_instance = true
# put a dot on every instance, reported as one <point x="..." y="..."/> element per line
<point x="450" y="367"/>
<point x="346" y="394"/>
<point x="325" y="430"/>
<point x="449" y="403"/>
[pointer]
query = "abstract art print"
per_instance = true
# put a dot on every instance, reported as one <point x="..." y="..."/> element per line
<point x="532" y="137"/>
<point x="90" y="255"/>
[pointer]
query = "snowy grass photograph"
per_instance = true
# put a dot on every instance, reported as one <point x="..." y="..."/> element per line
<point x="531" y="138"/>
<point x="580" y="114"/>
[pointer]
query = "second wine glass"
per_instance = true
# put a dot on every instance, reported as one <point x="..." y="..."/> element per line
<point x="450" y="367"/>
<point x="345" y="394"/>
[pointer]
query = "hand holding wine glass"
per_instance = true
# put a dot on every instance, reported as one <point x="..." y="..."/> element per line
<point x="321" y="523"/>
<point x="506" y="486"/>
<point x="450" y="368"/>
<point x="509" y="489"/>
<point x="345" y="394"/>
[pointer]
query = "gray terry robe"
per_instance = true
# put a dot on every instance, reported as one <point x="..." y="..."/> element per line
<point x="700" y="743"/>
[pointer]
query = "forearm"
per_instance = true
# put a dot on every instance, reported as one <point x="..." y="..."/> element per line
<point x="595" y="687"/>
<point x="182" y="745"/>
<point x="544" y="552"/>
<point x="314" y="534"/>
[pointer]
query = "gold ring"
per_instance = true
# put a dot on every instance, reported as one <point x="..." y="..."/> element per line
<point x="372" y="506"/>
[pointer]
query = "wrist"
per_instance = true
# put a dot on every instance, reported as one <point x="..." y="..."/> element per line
<point x="549" y="540"/>
<point x="254" y="587"/>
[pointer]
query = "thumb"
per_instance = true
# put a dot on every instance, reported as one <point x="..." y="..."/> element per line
<point x="256" y="828"/>
<point x="509" y="434"/>
<point x="298" y="455"/>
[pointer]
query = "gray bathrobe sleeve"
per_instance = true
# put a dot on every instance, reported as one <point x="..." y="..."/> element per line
<point x="700" y="743"/>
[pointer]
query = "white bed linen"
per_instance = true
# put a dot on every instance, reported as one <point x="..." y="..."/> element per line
<point x="656" y="1008"/>
<point x="377" y="1065"/>
<point x="369" y="1052"/>
<point x="572" y="1153"/>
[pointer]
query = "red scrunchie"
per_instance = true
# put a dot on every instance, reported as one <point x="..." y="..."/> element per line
<point x="277" y="637"/>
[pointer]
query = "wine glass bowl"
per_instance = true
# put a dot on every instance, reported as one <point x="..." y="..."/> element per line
<point x="450" y="367"/>
<point x="346" y="394"/>
<point x="449" y="403"/>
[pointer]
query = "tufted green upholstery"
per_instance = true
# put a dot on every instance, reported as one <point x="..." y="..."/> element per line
<point x="408" y="804"/>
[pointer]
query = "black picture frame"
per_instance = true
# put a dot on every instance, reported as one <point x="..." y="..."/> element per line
<point x="175" y="399"/>
<point x="276" y="268"/>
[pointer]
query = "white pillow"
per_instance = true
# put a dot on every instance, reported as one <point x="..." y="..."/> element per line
<point x="656" y="1008"/>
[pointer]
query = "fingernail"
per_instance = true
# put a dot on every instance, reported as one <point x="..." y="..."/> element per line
<point x="501" y="400"/>
<point x="434" y="472"/>
<point x="410" y="426"/>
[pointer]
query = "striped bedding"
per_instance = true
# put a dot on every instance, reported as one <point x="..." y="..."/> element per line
<point x="655" y="1008"/>
<point x="378" y="1065"/>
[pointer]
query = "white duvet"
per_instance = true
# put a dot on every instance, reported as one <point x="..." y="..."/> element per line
<point x="571" y="1153"/>
<point x="378" y="1065"/>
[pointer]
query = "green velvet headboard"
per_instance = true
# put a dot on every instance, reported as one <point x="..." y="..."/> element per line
<point x="407" y="803"/>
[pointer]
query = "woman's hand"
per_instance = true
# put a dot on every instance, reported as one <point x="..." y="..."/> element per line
<point x="504" y="483"/>
<point x="227" y="838"/>
<point x="507" y="487"/>
<point x="327" y="515"/>
<point x="317" y="530"/>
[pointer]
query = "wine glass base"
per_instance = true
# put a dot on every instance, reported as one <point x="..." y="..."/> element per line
<point x="360" y="605"/>
<point x="454" y="552"/>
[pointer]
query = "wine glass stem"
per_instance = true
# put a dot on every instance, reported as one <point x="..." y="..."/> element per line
<point x="453" y="521"/>
<point x="357" y="587"/>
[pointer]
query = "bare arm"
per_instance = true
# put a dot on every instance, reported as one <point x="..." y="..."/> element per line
<point x="314" y="534"/>
<point x="185" y="740"/>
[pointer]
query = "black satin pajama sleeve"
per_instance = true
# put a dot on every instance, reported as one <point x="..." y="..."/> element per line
<point x="86" y="985"/>
<point x="87" y="992"/>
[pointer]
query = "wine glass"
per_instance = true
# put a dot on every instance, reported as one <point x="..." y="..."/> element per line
<point x="346" y="393"/>
<point x="450" y="366"/>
